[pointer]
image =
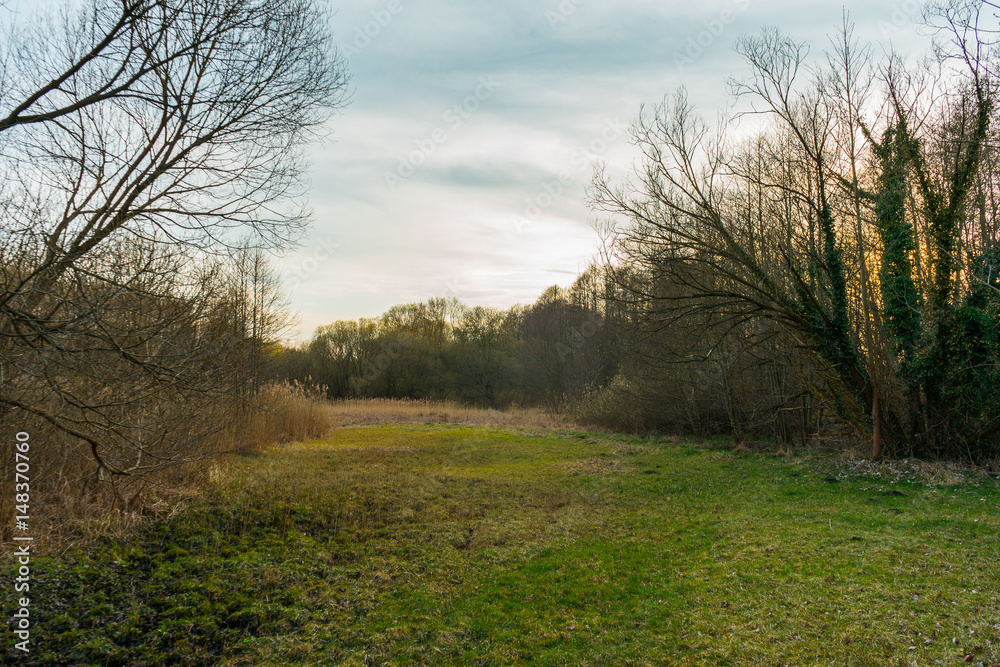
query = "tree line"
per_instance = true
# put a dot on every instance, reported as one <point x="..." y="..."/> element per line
<point x="825" y="257"/>
<point x="591" y="350"/>
<point x="545" y="354"/>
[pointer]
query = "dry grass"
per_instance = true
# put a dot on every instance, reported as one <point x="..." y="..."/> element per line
<point x="282" y="412"/>
<point x="361" y="412"/>
<point x="930" y="473"/>
<point x="71" y="504"/>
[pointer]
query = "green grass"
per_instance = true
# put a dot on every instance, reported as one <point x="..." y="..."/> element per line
<point x="470" y="546"/>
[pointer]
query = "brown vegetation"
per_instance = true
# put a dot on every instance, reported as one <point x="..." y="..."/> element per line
<point x="151" y="154"/>
<point x="370" y="411"/>
<point x="72" y="502"/>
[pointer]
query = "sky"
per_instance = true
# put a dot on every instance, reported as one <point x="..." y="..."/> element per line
<point x="460" y="164"/>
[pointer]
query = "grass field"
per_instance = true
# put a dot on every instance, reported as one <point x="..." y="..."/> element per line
<point x="454" y="545"/>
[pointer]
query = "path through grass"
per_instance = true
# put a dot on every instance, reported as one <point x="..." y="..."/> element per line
<point x="425" y="545"/>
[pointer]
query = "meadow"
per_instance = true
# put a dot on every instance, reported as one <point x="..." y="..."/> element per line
<point x="445" y="544"/>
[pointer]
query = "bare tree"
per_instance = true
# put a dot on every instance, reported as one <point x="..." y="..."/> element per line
<point x="138" y="138"/>
<point x="260" y="315"/>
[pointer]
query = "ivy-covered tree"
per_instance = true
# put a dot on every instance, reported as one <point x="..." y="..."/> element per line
<point x="759" y="231"/>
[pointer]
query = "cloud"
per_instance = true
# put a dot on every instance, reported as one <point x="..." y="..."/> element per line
<point x="524" y="153"/>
